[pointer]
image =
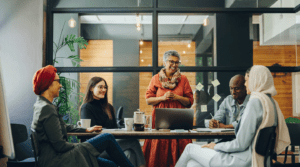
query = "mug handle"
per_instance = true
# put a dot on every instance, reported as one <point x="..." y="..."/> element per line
<point x="79" y="123"/>
<point x="127" y="122"/>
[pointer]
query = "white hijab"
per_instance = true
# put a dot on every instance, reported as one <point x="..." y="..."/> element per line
<point x="261" y="83"/>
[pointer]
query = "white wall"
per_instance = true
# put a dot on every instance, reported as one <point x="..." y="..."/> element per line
<point x="21" y="38"/>
<point x="278" y="28"/>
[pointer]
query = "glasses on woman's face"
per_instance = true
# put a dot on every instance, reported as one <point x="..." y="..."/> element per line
<point x="102" y="87"/>
<point x="58" y="80"/>
<point x="174" y="62"/>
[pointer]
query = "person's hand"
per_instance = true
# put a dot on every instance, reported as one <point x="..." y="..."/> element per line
<point x="221" y="125"/>
<point x="168" y="95"/>
<point x="94" y="128"/>
<point x="213" y="124"/>
<point x="210" y="145"/>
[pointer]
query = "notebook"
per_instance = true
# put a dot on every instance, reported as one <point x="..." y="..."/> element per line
<point x="174" y="118"/>
<point x="214" y="130"/>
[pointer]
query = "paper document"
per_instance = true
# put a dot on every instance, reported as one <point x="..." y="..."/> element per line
<point x="216" y="97"/>
<point x="179" y="130"/>
<point x="215" y="83"/>
<point x="214" y="130"/>
<point x="203" y="108"/>
<point x="199" y="86"/>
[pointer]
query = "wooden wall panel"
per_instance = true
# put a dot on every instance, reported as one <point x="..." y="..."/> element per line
<point x="285" y="56"/>
<point x="98" y="53"/>
<point x="187" y="59"/>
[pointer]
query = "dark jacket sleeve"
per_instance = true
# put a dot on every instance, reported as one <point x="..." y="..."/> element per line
<point x="74" y="128"/>
<point x="86" y="112"/>
<point x="53" y="130"/>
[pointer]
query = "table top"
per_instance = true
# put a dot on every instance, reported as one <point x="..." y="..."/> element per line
<point x="155" y="134"/>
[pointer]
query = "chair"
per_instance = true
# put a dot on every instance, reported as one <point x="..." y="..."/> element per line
<point x="265" y="144"/>
<point x="19" y="134"/>
<point x="120" y="119"/>
<point x="294" y="129"/>
<point x="35" y="146"/>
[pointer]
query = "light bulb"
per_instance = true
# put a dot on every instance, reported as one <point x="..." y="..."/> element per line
<point x="141" y="42"/>
<point x="142" y="60"/>
<point x="141" y="51"/>
<point x="189" y="45"/>
<point x="72" y="23"/>
<point x="205" y="22"/>
<point x="183" y="52"/>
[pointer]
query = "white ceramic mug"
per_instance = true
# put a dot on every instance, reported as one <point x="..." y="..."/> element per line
<point x="206" y="122"/>
<point x="84" y="123"/>
<point x="128" y="123"/>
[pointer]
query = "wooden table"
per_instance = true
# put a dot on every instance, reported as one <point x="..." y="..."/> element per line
<point x="154" y="134"/>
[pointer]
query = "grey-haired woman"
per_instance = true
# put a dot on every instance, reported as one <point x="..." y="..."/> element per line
<point x="167" y="89"/>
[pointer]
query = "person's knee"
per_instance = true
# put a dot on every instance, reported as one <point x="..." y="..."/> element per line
<point x="188" y="147"/>
<point x="108" y="135"/>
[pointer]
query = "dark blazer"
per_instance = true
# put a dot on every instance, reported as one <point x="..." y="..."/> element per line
<point x="55" y="150"/>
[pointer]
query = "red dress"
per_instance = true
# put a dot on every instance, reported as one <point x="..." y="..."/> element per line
<point x="166" y="152"/>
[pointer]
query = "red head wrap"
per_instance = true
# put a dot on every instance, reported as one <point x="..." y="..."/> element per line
<point x="43" y="78"/>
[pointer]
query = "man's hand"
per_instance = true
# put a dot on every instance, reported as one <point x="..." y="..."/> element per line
<point x="94" y="128"/>
<point x="210" y="145"/>
<point x="225" y="126"/>
<point x="213" y="124"/>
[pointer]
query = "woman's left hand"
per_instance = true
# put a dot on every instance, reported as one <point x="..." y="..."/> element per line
<point x="210" y="145"/>
<point x="94" y="128"/>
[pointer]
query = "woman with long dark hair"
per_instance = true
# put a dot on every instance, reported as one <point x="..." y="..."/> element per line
<point x="96" y="107"/>
<point x="54" y="148"/>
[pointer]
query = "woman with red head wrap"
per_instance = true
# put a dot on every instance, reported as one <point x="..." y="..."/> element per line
<point x="55" y="150"/>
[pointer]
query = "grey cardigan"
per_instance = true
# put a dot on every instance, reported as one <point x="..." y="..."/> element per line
<point x="55" y="150"/>
<point x="238" y="152"/>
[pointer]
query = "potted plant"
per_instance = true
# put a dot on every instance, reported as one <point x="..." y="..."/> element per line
<point x="69" y="97"/>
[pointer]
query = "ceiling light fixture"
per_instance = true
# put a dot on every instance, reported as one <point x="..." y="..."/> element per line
<point x="189" y="45"/>
<point x="141" y="42"/>
<point x="138" y="23"/>
<point x="183" y="52"/>
<point x="72" y="23"/>
<point x="141" y="51"/>
<point x="205" y="22"/>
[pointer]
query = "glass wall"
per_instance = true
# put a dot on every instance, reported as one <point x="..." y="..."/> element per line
<point x="101" y="3"/>
<point x="189" y="34"/>
<point x="218" y="40"/>
<point x="229" y="3"/>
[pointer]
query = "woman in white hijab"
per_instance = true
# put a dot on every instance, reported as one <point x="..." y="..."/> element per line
<point x="261" y="111"/>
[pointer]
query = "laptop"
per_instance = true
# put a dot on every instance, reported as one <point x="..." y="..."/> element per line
<point x="174" y="118"/>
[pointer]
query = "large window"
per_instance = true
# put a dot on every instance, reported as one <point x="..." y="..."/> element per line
<point x="216" y="40"/>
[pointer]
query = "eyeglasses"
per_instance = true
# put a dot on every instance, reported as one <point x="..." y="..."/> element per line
<point x="174" y="62"/>
<point x="58" y="80"/>
<point x="102" y="87"/>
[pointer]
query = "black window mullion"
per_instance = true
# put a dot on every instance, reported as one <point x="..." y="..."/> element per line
<point x="182" y="69"/>
<point x="155" y="38"/>
<point x="49" y="33"/>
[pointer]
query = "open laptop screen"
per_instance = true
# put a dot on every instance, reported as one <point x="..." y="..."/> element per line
<point x="174" y="118"/>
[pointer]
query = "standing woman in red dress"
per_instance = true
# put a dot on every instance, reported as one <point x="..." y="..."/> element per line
<point x="167" y="89"/>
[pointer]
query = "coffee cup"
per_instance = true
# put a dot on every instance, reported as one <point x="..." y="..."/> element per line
<point x="206" y="123"/>
<point x="128" y="123"/>
<point x="84" y="123"/>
